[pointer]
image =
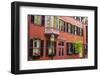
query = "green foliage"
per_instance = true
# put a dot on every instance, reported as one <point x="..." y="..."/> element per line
<point x="78" y="46"/>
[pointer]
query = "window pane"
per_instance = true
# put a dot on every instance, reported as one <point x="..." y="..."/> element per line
<point x="73" y="29"/>
<point x="55" y="22"/>
<point x="36" y="47"/>
<point x="60" y="24"/>
<point x="37" y="20"/>
<point x="69" y="48"/>
<point x="68" y="27"/>
<point x="48" y="20"/>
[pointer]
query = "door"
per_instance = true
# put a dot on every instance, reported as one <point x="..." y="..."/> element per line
<point x="61" y="48"/>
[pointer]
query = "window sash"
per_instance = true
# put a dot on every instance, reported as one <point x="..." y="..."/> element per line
<point x="48" y="21"/>
<point x="37" y="20"/>
<point x="55" y="24"/>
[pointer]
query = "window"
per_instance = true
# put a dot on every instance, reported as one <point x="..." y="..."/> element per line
<point x="36" y="47"/>
<point x="51" y="48"/>
<point x="55" y="22"/>
<point x="69" y="49"/>
<point x="61" y="51"/>
<point x="48" y="20"/>
<point x="69" y="28"/>
<point x="61" y="25"/>
<point x="78" y="18"/>
<point x="78" y="31"/>
<point x="61" y="48"/>
<point x="81" y="32"/>
<point x="86" y="34"/>
<point x="37" y="20"/>
<point x="66" y="27"/>
<point x="61" y="43"/>
<point x="73" y="30"/>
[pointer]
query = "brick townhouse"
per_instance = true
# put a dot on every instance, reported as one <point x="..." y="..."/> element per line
<point x="53" y="37"/>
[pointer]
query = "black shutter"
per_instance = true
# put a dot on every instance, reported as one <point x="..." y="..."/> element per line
<point x="47" y="47"/>
<point x="77" y="30"/>
<point x="81" y="32"/>
<point x="71" y="27"/>
<point x="62" y="51"/>
<point x="64" y="27"/>
<point x="86" y="34"/>
<point x="43" y="20"/>
<point x="72" y="48"/>
<point x="41" y="48"/>
<point x="55" y="48"/>
<point x="67" y="27"/>
<point x="32" y="18"/>
<point x="67" y="48"/>
<point x="30" y="52"/>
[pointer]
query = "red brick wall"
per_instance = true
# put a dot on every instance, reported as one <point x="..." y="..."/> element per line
<point x="36" y="31"/>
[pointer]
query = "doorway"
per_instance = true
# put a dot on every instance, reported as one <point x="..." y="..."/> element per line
<point x="61" y="48"/>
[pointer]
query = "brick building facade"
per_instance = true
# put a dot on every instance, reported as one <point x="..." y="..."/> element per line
<point x="53" y="37"/>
